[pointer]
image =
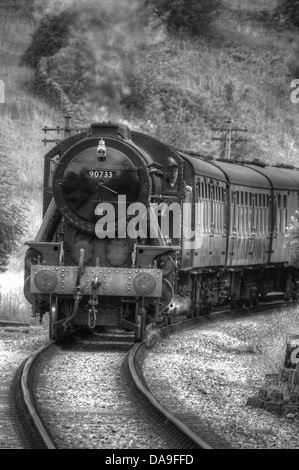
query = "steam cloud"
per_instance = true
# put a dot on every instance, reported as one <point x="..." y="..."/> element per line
<point x="117" y="34"/>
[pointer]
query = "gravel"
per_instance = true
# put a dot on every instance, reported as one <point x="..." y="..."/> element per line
<point x="16" y="344"/>
<point x="84" y="405"/>
<point x="210" y="372"/>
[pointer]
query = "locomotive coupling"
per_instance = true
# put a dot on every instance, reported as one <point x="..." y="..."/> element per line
<point x="93" y="302"/>
<point x="92" y="317"/>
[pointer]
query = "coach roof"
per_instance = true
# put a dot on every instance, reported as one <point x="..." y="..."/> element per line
<point x="244" y="175"/>
<point x="281" y="178"/>
<point x="204" y="167"/>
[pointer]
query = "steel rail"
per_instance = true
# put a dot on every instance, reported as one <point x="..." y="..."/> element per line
<point x="170" y="418"/>
<point x="28" y="399"/>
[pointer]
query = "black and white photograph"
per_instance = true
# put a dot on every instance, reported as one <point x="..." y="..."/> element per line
<point x="149" y="227"/>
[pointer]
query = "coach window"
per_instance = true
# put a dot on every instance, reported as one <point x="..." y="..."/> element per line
<point x="257" y="214"/>
<point x="212" y="222"/>
<point x="198" y="190"/>
<point x="249" y="214"/>
<point x="218" y="209"/>
<point x="221" y="212"/>
<point x="276" y="216"/>
<point x="206" y="211"/>
<point x="283" y="214"/>
<point x="240" y="213"/>
<point x="246" y="212"/>
<point x="234" y="213"/>
<point x="279" y="215"/>
<point x="285" y="207"/>
<point x="268" y="213"/>
<point x="281" y="229"/>
<point x="265" y="214"/>
<point x="253" y="215"/>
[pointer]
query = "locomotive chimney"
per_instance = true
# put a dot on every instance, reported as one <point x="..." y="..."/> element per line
<point x="109" y="129"/>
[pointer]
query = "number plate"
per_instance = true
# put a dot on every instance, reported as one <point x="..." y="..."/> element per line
<point x="105" y="174"/>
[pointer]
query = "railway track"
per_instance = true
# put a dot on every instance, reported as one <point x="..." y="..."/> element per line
<point x="122" y="413"/>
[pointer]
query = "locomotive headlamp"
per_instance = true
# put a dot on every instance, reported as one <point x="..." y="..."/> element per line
<point x="144" y="283"/>
<point x="101" y="150"/>
<point x="45" y="280"/>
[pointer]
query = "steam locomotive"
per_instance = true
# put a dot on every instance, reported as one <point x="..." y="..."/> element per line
<point x="135" y="232"/>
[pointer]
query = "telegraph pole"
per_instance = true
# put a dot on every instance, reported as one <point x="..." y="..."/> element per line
<point x="227" y="137"/>
<point x="62" y="132"/>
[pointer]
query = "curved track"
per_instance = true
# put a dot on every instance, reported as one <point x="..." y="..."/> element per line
<point x="139" y="408"/>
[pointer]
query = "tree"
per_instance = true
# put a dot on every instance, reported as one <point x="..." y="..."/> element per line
<point x="12" y="212"/>
<point x="292" y="239"/>
<point x="49" y="37"/>
<point x="289" y="9"/>
<point x="191" y="16"/>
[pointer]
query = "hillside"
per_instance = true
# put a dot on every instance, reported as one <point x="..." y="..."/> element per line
<point x="119" y="63"/>
<point x="21" y="119"/>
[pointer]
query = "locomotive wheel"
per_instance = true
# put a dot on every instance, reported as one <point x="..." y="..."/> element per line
<point x="139" y="334"/>
<point x="53" y="316"/>
<point x="58" y="333"/>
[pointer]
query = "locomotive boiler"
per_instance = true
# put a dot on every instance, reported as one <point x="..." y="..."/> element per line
<point x="135" y="232"/>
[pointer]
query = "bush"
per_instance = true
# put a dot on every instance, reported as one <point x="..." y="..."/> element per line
<point x="12" y="212"/>
<point x="292" y="239"/>
<point x="50" y="36"/>
<point x="289" y="9"/>
<point x="191" y="16"/>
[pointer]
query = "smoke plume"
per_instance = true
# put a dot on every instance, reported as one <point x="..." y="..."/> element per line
<point x="117" y="34"/>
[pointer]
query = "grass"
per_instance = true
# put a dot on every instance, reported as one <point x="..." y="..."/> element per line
<point x="21" y="120"/>
<point x="196" y="86"/>
<point x="265" y="339"/>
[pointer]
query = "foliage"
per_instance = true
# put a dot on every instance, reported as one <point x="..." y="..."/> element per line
<point x="292" y="238"/>
<point x="12" y="222"/>
<point x="289" y="9"/>
<point x="50" y="36"/>
<point x="191" y="16"/>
